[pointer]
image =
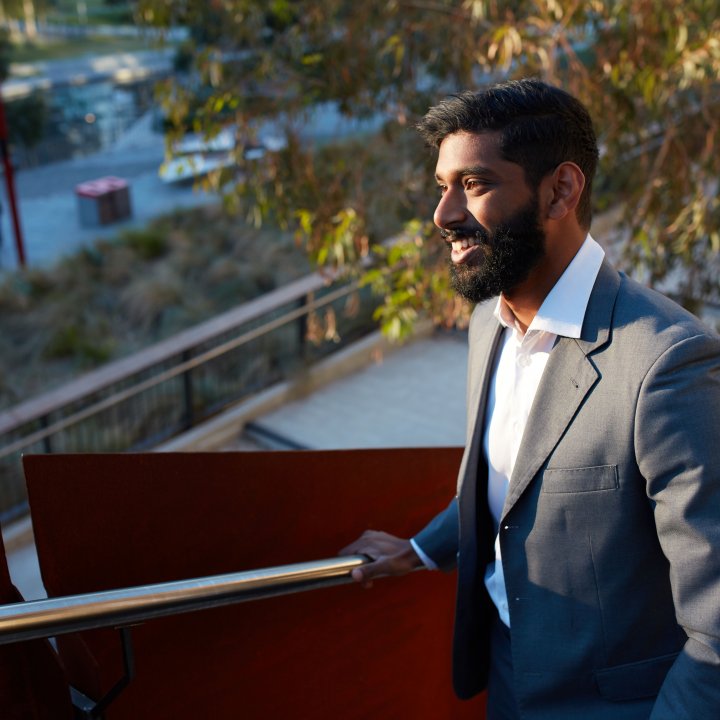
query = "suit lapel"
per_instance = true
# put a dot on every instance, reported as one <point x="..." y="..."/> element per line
<point x="568" y="378"/>
<point x="485" y="337"/>
<point x="480" y="374"/>
<point x="484" y="341"/>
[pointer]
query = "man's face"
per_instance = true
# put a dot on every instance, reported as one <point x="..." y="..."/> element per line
<point x="488" y="215"/>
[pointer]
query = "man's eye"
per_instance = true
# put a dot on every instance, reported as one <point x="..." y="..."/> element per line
<point x="473" y="184"/>
<point x="442" y="189"/>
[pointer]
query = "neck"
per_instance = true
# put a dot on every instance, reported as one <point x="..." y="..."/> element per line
<point x="525" y="299"/>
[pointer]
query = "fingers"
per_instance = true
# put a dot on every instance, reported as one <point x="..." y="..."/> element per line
<point x="358" y="575"/>
<point x="389" y="555"/>
<point x="366" y="544"/>
<point x="365" y="574"/>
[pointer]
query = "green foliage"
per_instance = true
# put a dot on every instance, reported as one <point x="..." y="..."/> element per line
<point x="26" y="119"/>
<point x="5" y="54"/>
<point x="57" y="48"/>
<point x="74" y="341"/>
<point x="148" y="243"/>
<point x="647" y="70"/>
<point x="90" y="12"/>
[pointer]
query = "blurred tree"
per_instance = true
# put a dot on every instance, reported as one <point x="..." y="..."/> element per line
<point x="26" y="118"/>
<point x="30" y="22"/>
<point x="24" y="10"/>
<point x="6" y="49"/>
<point x="647" y="69"/>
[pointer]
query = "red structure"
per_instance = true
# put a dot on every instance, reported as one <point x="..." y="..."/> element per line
<point x="10" y="185"/>
<point x="103" y="201"/>
<point x="110" y="521"/>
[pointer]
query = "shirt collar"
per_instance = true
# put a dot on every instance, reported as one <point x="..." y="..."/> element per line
<point x="563" y="310"/>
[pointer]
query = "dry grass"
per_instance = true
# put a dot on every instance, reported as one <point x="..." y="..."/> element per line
<point x="119" y="296"/>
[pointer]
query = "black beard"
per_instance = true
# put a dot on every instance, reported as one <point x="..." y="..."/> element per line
<point x="507" y="256"/>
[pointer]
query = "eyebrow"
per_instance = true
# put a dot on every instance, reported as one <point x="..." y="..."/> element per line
<point x="472" y="170"/>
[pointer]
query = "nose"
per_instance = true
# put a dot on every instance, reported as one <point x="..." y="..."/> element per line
<point x="451" y="210"/>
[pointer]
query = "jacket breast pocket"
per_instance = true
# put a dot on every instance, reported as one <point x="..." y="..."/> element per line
<point x="584" y="479"/>
<point x="634" y="680"/>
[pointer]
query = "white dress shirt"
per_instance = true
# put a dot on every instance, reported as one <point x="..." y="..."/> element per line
<point x="518" y="368"/>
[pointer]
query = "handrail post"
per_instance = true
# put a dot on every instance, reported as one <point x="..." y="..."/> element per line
<point x="187" y="380"/>
<point x="302" y="322"/>
<point x="88" y="709"/>
<point x="47" y="442"/>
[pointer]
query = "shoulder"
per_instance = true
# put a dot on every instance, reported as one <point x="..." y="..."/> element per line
<point x="650" y="336"/>
<point x="643" y="312"/>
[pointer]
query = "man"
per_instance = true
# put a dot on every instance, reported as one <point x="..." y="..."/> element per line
<point x="586" y="526"/>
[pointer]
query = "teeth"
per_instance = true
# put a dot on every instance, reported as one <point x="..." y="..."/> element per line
<point x="463" y="244"/>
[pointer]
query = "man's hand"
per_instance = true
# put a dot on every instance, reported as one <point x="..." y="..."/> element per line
<point x="390" y="555"/>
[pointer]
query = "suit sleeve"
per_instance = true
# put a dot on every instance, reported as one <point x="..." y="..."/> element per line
<point x="439" y="538"/>
<point x="678" y="451"/>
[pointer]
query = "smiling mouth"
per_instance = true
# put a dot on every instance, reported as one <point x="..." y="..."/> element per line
<point x="464" y="249"/>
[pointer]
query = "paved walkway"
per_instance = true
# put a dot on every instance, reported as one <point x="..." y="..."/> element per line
<point x="413" y="397"/>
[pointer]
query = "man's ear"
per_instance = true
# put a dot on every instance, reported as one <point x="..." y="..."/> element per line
<point x="567" y="185"/>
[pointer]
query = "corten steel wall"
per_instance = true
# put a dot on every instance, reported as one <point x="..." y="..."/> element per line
<point x="107" y="521"/>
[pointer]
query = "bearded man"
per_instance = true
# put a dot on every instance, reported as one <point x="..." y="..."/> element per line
<point x="586" y="526"/>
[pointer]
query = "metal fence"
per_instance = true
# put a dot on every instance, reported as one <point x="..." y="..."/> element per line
<point x="136" y="403"/>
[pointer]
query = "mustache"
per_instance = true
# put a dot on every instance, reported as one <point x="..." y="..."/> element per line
<point x="459" y="233"/>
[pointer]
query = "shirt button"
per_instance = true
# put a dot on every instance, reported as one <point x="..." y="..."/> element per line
<point x="523" y="360"/>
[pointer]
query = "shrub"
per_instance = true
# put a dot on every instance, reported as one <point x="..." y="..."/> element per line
<point x="149" y="243"/>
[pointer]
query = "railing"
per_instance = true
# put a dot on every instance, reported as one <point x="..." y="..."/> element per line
<point x="129" y="606"/>
<point x="139" y="401"/>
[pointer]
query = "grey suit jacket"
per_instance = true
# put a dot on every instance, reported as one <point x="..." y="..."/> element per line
<point x="610" y="533"/>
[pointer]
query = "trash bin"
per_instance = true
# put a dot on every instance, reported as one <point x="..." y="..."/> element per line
<point x="103" y="201"/>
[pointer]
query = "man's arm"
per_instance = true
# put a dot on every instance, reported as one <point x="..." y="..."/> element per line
<point x="392" y="555"/>
<point x="439" y="538"/>
<point x="678" y="451"/>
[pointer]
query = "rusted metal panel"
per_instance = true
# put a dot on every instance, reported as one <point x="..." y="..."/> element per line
<point x="108" y="521"/>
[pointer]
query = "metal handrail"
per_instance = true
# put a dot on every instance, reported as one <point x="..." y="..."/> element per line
<point x="128" y="606"/>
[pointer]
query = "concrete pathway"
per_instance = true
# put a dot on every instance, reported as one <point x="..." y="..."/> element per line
<point x="412" y="397"/>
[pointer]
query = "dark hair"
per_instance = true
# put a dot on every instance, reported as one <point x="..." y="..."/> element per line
<point x="541" y="126"/>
